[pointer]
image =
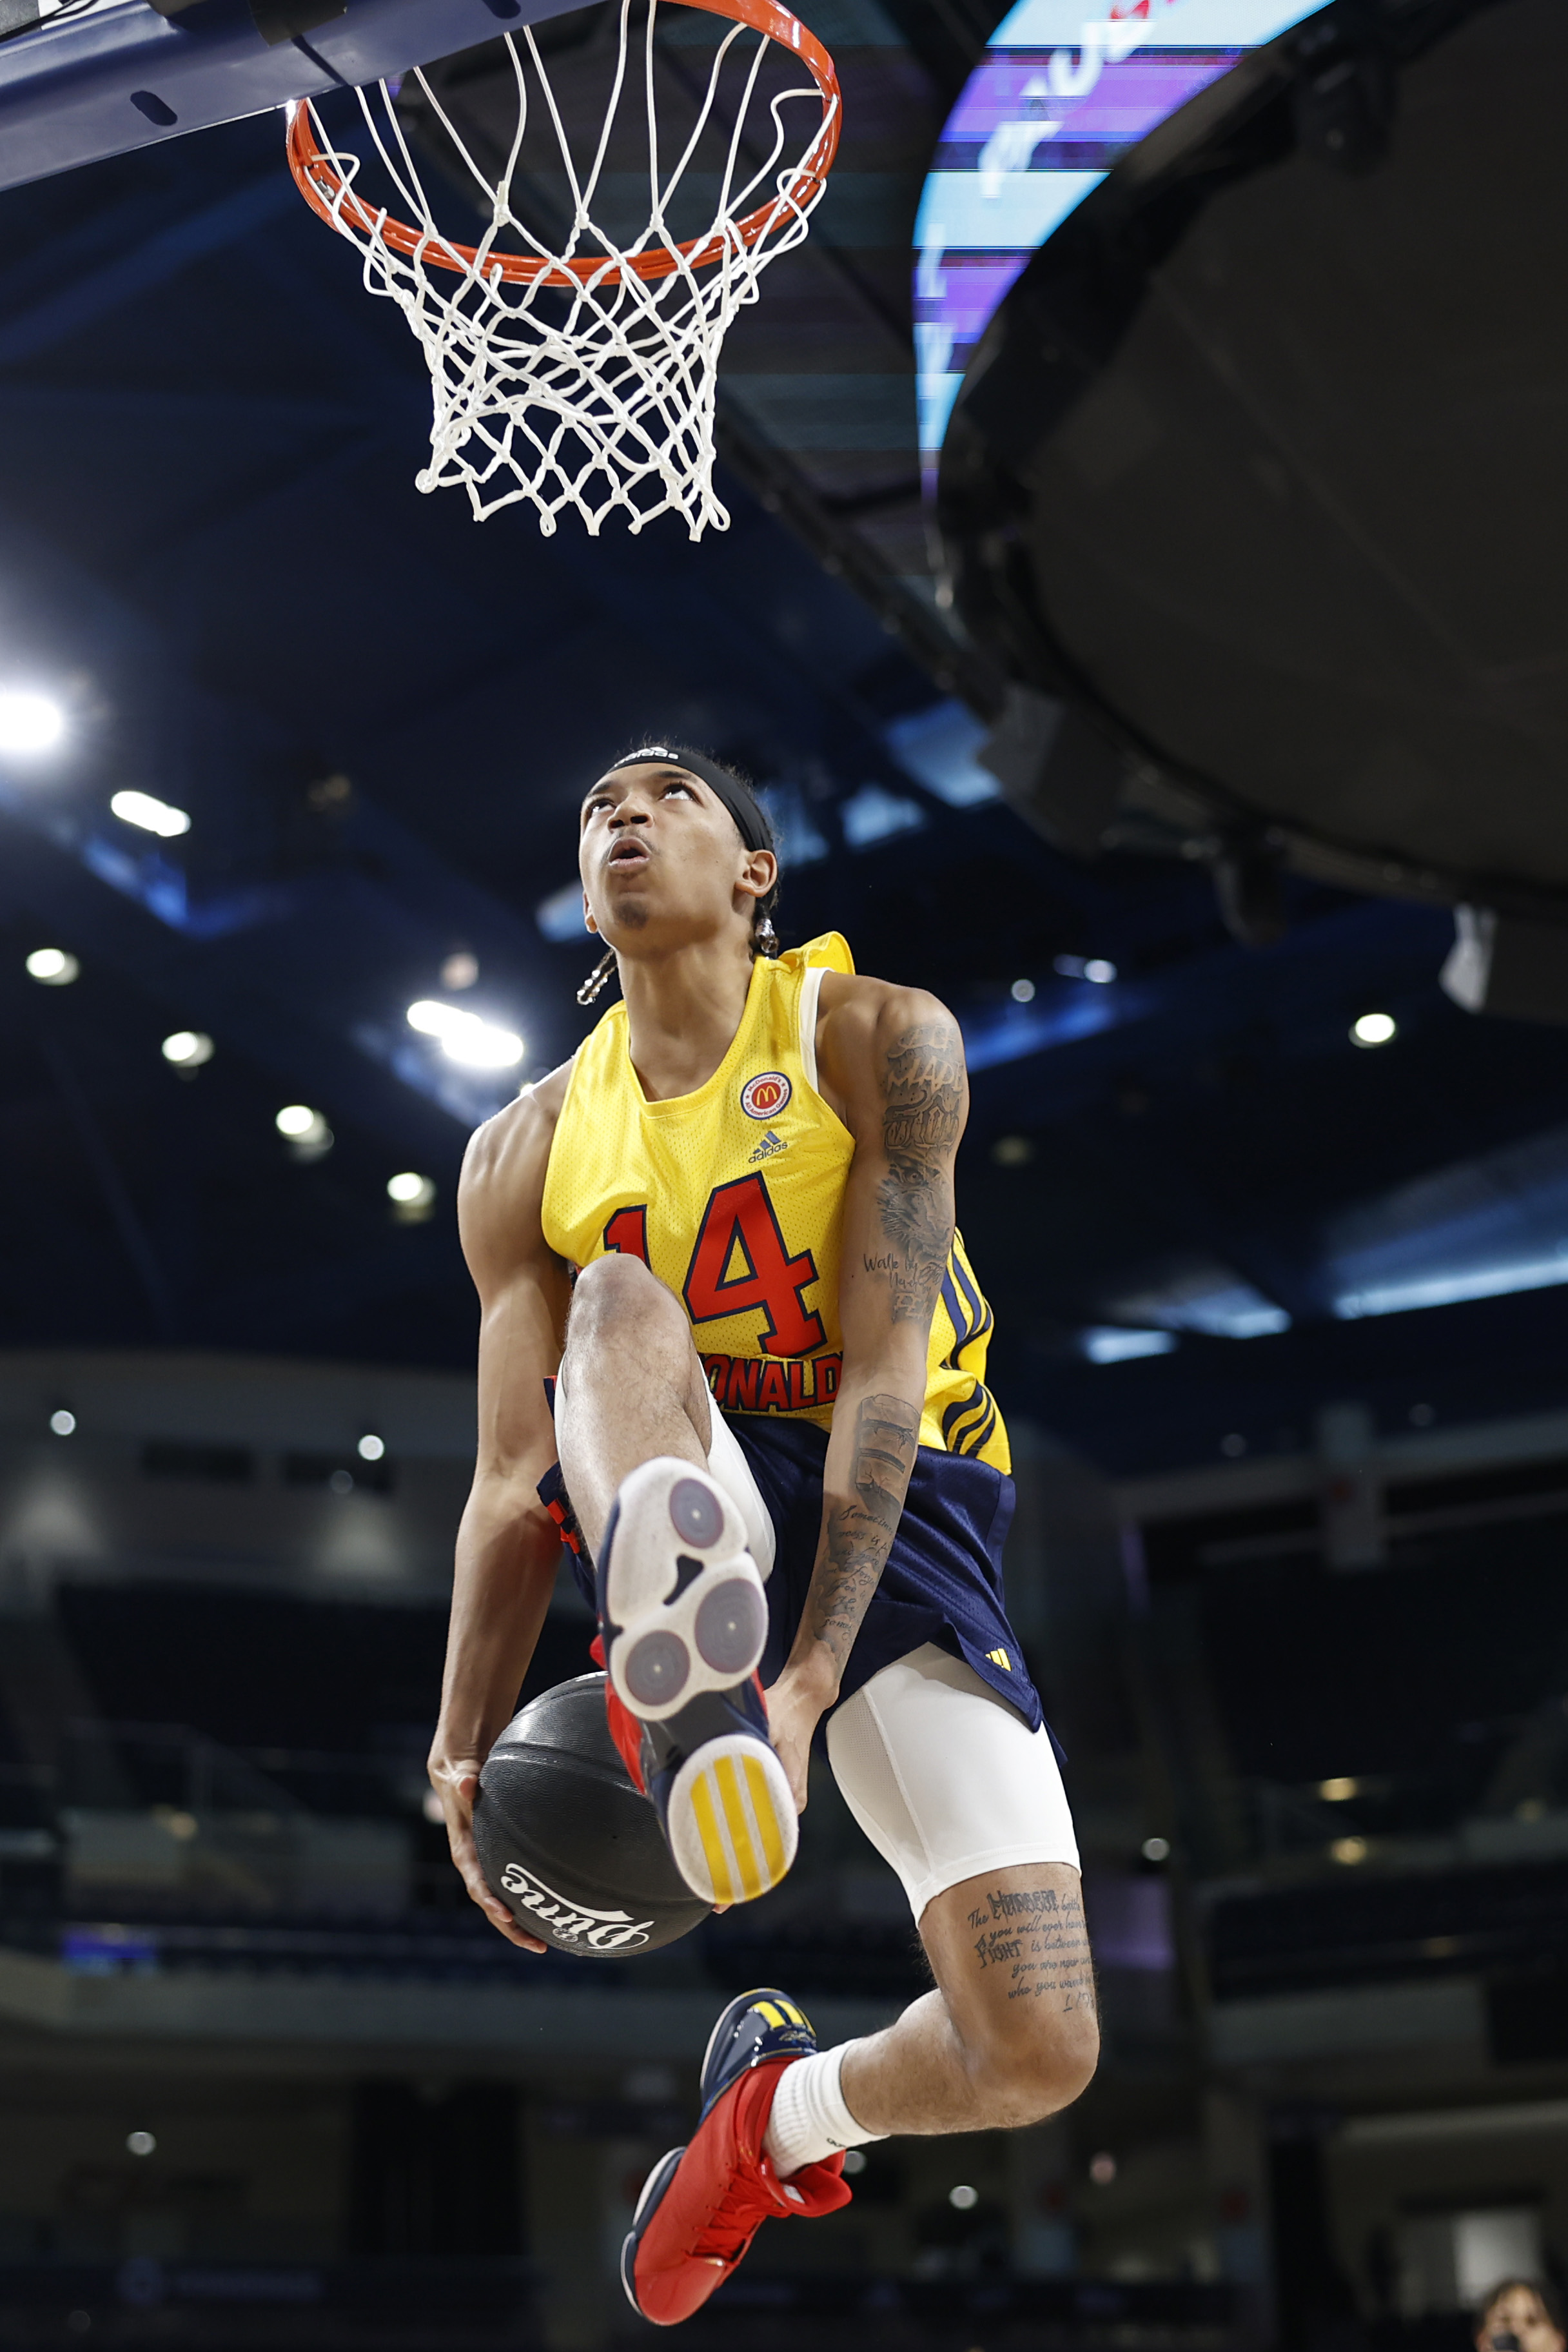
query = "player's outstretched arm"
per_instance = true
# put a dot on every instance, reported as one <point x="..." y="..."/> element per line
<point x="893" y="1058"/>
<point x="508" y="1547"/>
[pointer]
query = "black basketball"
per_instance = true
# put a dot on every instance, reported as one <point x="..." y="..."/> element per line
<point x="564" y="1838"/>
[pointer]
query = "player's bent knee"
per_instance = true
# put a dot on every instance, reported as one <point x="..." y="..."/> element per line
<point x="613" y="1292"/>
<point x="1023" y="2079"/>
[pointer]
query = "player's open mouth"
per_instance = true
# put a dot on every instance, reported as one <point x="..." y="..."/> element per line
<point x="628" y="853"/>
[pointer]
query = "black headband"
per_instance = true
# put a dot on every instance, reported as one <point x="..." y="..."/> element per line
<point x="754" y="826"/>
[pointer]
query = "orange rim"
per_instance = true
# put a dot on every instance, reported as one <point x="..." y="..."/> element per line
<point x="322" y="183"/>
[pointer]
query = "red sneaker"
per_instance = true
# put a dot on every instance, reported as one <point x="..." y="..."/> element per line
<point x="702" y="2205"/>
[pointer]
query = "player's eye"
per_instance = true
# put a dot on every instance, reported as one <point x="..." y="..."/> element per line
<point x="591" y="808"/>
<point x="678" y="787"/>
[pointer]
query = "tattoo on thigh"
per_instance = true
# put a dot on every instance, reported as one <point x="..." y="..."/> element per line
<point x="1038" y="1935"/>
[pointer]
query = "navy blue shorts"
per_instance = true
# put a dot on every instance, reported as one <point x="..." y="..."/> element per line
<point x="942" y="1582"/>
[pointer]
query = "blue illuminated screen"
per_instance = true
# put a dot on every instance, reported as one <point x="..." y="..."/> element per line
<point x="1055" y="99"/>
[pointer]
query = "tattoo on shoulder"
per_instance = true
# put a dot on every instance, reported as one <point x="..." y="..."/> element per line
<point x="1038" y="1936"/>
<point x="923" y="1117"/>
<point x="860" y="1530"/>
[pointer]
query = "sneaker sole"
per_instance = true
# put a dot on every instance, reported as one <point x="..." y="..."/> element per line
<point x="730" y="1820"/>
<point x="647" y="2204"/>
<point x="682" y="1592"/>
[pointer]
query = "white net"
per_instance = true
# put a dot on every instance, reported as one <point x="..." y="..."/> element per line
<point x="572" y="371"/>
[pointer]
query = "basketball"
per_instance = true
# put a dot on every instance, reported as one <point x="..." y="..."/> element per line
<point x="572" y="1850"/>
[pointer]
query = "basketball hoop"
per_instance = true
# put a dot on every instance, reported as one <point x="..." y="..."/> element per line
<point x="580" y="373"/>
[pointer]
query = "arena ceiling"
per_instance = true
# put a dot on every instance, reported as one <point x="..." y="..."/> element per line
<point x="379" y="717"/>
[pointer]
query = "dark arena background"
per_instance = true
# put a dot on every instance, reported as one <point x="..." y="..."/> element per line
<point x="1144" y="611"/>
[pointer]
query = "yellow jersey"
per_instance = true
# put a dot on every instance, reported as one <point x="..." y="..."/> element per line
<point x="733" y="1196"/>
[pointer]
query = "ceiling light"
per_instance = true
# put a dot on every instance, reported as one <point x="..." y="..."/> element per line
<point x="1339" y="1788"/>
<point x="1103" y="2168"/>
<point x="1349" y="1850"/>
<point x="413" y="1197"/>
<point x="152" y="815"/>
<point x="29" y="722"/>
<point x="141" y="2143"/>
<point x="296" y="1120"/>
<point x="963" y="2198"/>
<point x="62" y="1421"/>
<point x="464" y="1038"/>
<point x="1374" y="1029"/>
<point x="55" y="967"/>
<point x="1109" y="1343"/>
<point x="460" y="970"/>
<point x="1100" y="972"/>
<point x="1022" y="992"/>
<point x="1156" y="1849"/>
<point x="371" y="1448"/>
<point x="188" y="1049"/>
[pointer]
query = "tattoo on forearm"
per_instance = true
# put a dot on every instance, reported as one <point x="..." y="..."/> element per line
<point x="859" y="1531"/>
<point x="922" y="1087"/>
<point x="1039" y="1937"/>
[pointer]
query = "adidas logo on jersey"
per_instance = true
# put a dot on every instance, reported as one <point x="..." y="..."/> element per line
<point x="769" y="1148"/>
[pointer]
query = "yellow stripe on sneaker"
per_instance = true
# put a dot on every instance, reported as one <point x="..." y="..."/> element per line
<point x="767" y="1820"/>
<point x="712" y="1838"/>
<point x="728" y="1781"/>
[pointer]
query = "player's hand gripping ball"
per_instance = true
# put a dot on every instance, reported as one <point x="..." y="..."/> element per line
<point x="566" y="1841"/>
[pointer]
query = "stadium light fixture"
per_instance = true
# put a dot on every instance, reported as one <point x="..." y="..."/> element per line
<point x="305" y="1130"/>
<point x="465" y="1039"/>
<point x="150" y="814"/>
<point x="53" y="967"/>
<point x="1374" y="1029"/>
<point x="413" y="1196"/>
<point x="29" y="723"/>
<point x="187" y="1049"/>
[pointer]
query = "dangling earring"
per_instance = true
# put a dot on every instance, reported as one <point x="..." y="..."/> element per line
<point x="767" y="938"/>
<point x="598" y="980"/>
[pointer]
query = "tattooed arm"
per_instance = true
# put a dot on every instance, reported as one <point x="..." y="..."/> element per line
<point x="891" y="1064"/>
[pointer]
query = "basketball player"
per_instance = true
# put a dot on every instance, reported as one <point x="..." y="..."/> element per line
<point x="725" y="1230"/>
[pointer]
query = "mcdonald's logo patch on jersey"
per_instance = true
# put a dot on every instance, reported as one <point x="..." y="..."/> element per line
<point x="767" y="1095"/>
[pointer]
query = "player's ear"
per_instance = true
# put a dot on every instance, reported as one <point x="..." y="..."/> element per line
<point x="588" y="922"/>
<point x="758" y="873"/>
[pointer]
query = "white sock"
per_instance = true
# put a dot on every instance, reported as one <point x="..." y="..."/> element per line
<point x="809" y="2119"/>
